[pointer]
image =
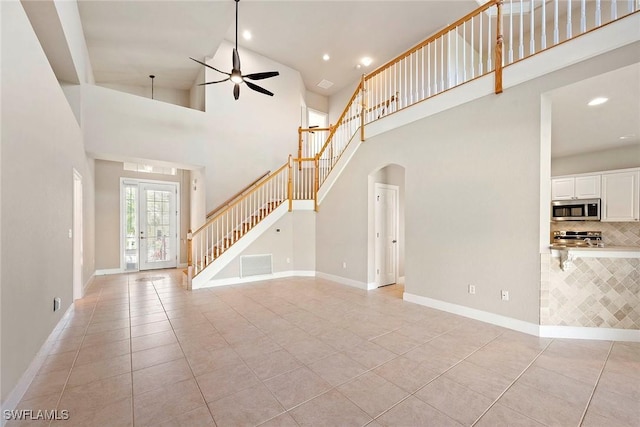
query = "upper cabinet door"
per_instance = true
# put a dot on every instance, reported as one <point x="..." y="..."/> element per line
<point x="578" y="187"/>
<point x="620" y="195"/>
<point x="587" y="187"/>
<point x="562" y="188"/>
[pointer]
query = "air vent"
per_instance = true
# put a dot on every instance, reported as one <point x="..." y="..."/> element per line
<point x="255" y="265"/>
<point x="325" y="84"/>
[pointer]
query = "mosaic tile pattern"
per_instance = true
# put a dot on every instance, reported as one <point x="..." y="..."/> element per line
<point x="614" y="233"/>
<point x="595" y="292"/>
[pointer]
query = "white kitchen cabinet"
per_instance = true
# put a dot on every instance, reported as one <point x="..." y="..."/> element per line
<point x="578" y="187"/>
<point x="620" y="196"/>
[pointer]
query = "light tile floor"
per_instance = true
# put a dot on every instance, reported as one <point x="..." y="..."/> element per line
<point x="139" y="350"/>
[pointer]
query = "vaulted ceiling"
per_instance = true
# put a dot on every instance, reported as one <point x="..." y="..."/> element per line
<point x="129" y="40"/>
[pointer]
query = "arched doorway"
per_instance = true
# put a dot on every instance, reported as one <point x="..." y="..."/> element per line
<point x="386" y="226"/>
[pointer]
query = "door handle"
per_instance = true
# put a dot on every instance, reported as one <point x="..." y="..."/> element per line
<point x="394" y="241"/>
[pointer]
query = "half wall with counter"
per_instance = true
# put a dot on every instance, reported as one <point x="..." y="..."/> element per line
<point x="591" y="287"/>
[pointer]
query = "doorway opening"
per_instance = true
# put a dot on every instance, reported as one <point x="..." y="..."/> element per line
<point x="149" y="224"/>
<point x="386" y="227"/>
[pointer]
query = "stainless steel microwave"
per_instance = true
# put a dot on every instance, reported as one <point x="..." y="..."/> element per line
<point x="575" y="210"/>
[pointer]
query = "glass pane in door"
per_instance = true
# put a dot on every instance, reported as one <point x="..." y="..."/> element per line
<point x="131" y="227"/>
<point x="158" y="226"/>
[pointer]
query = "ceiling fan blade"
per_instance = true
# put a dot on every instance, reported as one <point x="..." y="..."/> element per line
<point x="260" y="76"/>
<point x="209" y="66"/>
<point x="217" y="81"/>
<point x="236" y="59"/>
<point x="236" y="91"/>
<point x="258" y="88"/>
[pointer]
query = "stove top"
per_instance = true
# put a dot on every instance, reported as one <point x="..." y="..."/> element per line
<point x="584" y="239"/>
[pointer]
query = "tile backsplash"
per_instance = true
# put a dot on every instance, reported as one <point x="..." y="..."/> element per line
<point x="613" y="233"/>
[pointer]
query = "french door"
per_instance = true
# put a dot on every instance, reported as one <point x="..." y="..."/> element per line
<point x="150" y="225"/>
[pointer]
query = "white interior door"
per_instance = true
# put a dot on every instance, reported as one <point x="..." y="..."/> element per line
<point x="386" y="233"/>
<point x="158" y="232"/>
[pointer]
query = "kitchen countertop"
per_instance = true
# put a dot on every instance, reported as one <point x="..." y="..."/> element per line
<point x="595" y="252"/>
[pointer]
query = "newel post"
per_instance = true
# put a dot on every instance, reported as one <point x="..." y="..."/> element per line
<point x="189" y="259"/>
<point x="498" y="52"/>
<point x="290" y="183"/>
<point x="316" y="182"/>
<point x="363" y="108"/>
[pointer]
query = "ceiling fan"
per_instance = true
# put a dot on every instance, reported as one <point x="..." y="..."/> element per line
<point x="236" y="75"/>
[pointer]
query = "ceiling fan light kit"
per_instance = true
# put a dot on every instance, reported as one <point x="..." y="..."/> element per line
<point x="235" y="76"/>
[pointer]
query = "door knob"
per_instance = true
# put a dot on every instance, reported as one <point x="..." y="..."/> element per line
<point x="394" y="241"/>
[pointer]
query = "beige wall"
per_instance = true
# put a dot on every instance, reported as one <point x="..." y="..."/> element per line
<point x="472" y="201"/>
<point x="295" y="242"/>
<point x="41" y="146"/>
<point x="616" y="158"/>
<point x="107" y="201"/>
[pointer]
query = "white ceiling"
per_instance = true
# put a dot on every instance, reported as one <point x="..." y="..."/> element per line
<point x="129" y="40"/>
<point x="578" y="128"/>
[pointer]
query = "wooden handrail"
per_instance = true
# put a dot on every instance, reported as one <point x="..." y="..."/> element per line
<point x="344" y="112"/>
<point x="437" y="35"/>
<point x="314" y="129"/>
<point x="238" y="194"/>
<point x="253" y="190"/>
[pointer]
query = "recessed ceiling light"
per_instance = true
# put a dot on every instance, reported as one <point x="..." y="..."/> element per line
<point x="597" y="101"/>
<point x="246" y="34"/>
<point x="366" y="61"/>
<point x="326" y="57"/>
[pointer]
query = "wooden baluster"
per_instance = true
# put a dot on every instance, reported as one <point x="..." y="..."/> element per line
<point x="481" y="35"/>
<point x="363" y="107"/>
<point x="532" y="39"/>
<point x="510" y="56"/>
<point x="556" y="31"/>
<point x="543" y="30"/>
<point x="290" y="184"/>
<point x="521" y="43"/>
<point x="498" y="71"/>
<point x="569" y="23"/>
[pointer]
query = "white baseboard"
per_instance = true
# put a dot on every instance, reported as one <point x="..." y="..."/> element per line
<point x="344" y="281"/>
<point x="16" y="394"/>
<point x="543" y="331"/>
<point x="88" y="283"/>
<point x="240" y="280"/>
<point x="400" y="280"/>
<point x="108" y="271"/>
<point x="584" y="333"/>
<point x="472" y="313"/>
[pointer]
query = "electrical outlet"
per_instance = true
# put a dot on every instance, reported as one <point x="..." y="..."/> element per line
<point x="288" y="260"/>
<point x="344" y="264"/>
<point x="504" y="295"/>
<point x="472" y="289"/>
<point x="56" y="303"/>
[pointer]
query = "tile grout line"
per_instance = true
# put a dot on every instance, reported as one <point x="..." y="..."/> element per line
<point x="511" y="385"/>
<point x="377" y="366"/>
<point x="133" y="406"/>
<point x="412" y="394"/>
<point x="593" y="392"/>
<point x="206" y="404"/>
<point x="75" y="358"/>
